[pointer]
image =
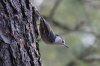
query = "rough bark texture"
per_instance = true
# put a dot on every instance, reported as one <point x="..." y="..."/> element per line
<point x="18" y="34"/>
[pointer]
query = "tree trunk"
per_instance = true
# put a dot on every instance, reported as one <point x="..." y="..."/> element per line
<point x="18" y="34"/>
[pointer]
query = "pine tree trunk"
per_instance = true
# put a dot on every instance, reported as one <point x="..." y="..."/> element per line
<point x="18" y="34"/>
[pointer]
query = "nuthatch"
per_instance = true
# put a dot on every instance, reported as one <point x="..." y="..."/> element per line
<point x="47" y="34"/>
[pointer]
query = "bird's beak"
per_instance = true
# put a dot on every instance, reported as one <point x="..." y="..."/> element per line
<point x="65" y="45"/>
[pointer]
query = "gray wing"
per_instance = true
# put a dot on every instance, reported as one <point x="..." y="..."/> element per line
<point x="46" y="31"/>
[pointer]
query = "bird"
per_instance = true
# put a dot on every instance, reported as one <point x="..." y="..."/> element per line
<point x="46" y="32"/>
<point x="48" y="35"/>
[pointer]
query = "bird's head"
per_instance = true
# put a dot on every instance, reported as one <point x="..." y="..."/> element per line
<point x="59" y="40"/>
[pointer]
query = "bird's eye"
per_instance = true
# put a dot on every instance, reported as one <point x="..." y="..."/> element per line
<point x="62" y="41"/>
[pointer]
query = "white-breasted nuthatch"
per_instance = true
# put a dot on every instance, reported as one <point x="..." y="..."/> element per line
<point x="47" y="34"/>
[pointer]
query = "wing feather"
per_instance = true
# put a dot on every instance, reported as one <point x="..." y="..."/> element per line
<point x="46" y="31"/>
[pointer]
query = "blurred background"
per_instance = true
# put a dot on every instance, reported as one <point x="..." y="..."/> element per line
<point x="78" y="21"/>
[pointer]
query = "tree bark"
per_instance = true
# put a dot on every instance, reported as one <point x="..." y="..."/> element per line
<point x="18" y="34"/>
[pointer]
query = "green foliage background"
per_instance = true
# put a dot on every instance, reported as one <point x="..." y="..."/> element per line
<point x="69" y="13"/>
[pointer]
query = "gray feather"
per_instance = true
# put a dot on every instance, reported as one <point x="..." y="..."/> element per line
<point x="46" y="31"/>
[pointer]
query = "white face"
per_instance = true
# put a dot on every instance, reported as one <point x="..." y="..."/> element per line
<point x="59" y="40"/>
